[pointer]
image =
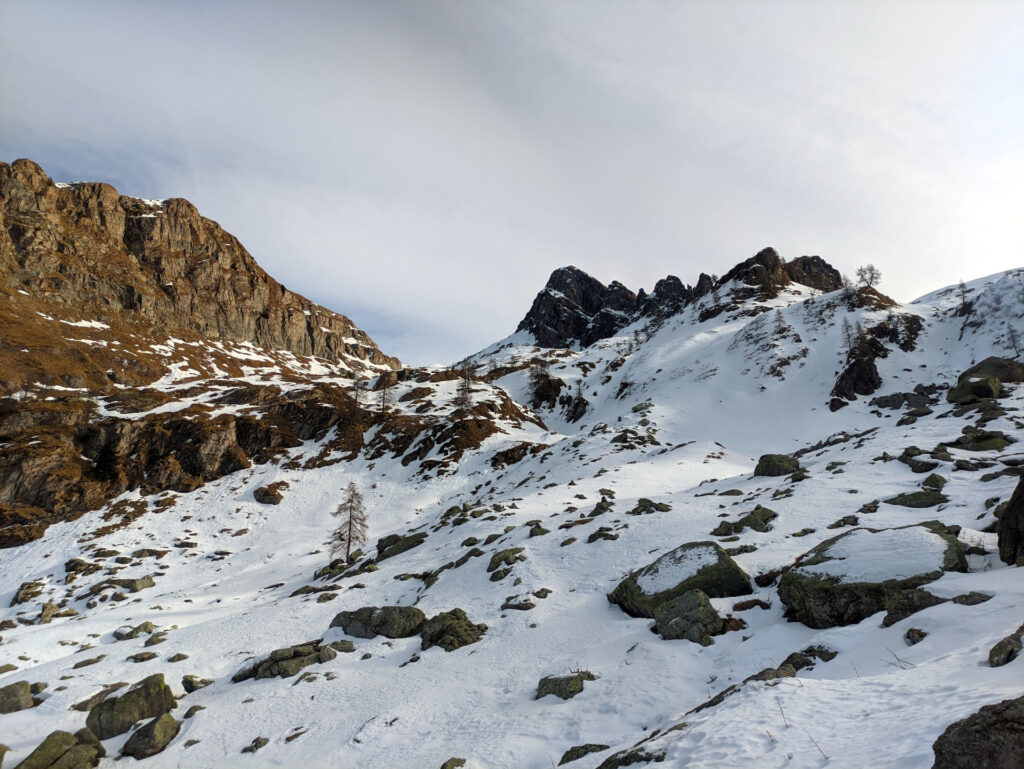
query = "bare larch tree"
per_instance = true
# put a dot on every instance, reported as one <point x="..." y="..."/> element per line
<point x="351" y="529"/>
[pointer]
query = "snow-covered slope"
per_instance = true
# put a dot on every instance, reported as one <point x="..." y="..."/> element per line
<point x="649" y="442"/>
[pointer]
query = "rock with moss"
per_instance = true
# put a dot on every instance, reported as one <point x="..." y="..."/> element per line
<point x="918" y="499"/>
<point x="63" y="750"/>
<point x="1007" y="649"/>
<point x="149" y="698"/>
<point x="774" y="465"/>
<point x="15" y="697"/>
<point x="632" y="756"/>
<point x="507" y="557"/>
<point x="288" y="661"/>
<point x="646" y="506"/>
<point x="757" y="519"/>
<point x="453" y="763"/>
<point x="450" y="630"/>
<point x="193" y="683"/>
<point x="152" y="737"/>
<point x="701" y="566"/>
<point x="976" y="439"/>
<point x="689" y="616"/>
<point x="564" y="687"/>
<point x="577" y="752"/>
<point x="990" y="738"/>
<point x="128" y="632"/>
<point x="395" y="544"/>
<point x="388" y="621"/>
<point x="852" y="576"/>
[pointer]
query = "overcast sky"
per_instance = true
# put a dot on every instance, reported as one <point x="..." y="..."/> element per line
<point x="423" y="166"/>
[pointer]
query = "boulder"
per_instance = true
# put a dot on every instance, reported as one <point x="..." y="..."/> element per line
<point x="268" y="495"/>
<point x="689" y="616"/>
<point x="152" y="737"/>
<point x="991" y="738"/>
<point x="394" y="544"/>
<point x="192" y="683"/>
<point x="63" y="750"/>
<point x="918" y="499"/>
<point x="127" y="632"/>
<point x="286" y="662"/>
<point x="703" y="566"/>
<point x="1008" y="649"/>
<point x="973" y="389"/>
<point x="450" y="630"/>
<point x="388" y="621"/>
<point x="772" y="465"/>
<point x="863" y="571"/>
<point x="564" y="687"/>
<point x="1010" y="527"/>
<point x="15" y="697"/>
<point x="579" y="751"/>
<point x="148" y="698"/>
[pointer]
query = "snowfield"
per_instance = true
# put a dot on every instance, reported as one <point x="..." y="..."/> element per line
<point x="681" y="419"/>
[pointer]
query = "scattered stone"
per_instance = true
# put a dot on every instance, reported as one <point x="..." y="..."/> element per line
<point x="564" y="687"/>
<point x="142" y="657"/>
<point x="127" y="632"/>
<point x="750" y="603"/>
<point x="255" y="745"/>
<point x="990" y="738"/>
<point x="646" y="506"/>
<point x="152" y="737"/>
<point x="918" y="499"/>
<point x="453" y="763"/>
<point x="191" y="683"/>
<point x="193" y="710"/>
<point x="395" y="544"/>
<point x="27" y="592"/>
<point x="388" y="621"/>
<point x="179" y="657"/>
<point x="86" y="663"/>
<point x="805" y="660"/>
<point x="268" y="495"/>
<point x="846" y="520"/>
<point x="757" y="519"/>
<point x="450" y="630"/>
<point x="914" y="635"/>
<point x="579" y="751"/>
<point x="148" y="698"/>
<point x="972" y="598"/>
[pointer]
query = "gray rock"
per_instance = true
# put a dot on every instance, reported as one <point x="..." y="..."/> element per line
<point x="991" y="738"/>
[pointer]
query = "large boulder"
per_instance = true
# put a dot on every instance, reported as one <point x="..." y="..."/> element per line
<point x="689" y="616"/>
<point x="1007" y="649"/>
<point x="395" y="544"/>
<point x="152" y="737"/>
<point x="1010" y="528"/>
<point x="388" y="621"/>
<point x="15" y="697"/>
<point x="848" y="578"/>
<point x="63" y="750"/>
<point x="985" y="380"/>
<point x="703" y="566"/>
<point x="286" y="662"/>
<point x="772" y="465"/>
<point x="564" y="687"/>
<point x="450" y="630"/>
<point x="149" y="698"/>
<point x="992" y="738"/>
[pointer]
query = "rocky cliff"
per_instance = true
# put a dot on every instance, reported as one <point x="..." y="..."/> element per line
<point x="576" y="309"/>
<point x="81" y="256"/>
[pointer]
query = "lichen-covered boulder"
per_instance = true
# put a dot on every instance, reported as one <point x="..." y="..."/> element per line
<point x="388" y="621"/>
<point x="772" y="465"/>
<point x="286" y="662"/>
<point x="689" y="616"/>
<point x="1007" y="649"/>
<point x="991" y="738"/>
<point x="15" y="697"/>
<point x="152" y="737"/>
<point x="63" y="750"/>
<point x="701" y="566"/>
<point x="564" y="687"/>
<point x="450" y="630"/>
<point x="579" y="751"/>
<point x="149" y="698"/>
<point x="394" y="544"/>
<point x="863" y="571"/>
<point x="127" y="632"/>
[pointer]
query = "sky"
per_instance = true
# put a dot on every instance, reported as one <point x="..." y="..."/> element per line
<point x="422" y="167"/>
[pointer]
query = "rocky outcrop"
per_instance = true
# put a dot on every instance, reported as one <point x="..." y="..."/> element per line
<point x="149" y="698"/>
<point x="287" y="662"/>
<point x="82" y="252"/>
<point x="577" y="309"/>
<point x="991" y="738"/>
<point x="63" y="750"/>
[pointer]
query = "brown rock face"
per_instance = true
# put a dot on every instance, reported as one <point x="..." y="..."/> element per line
<point x="82" y="252"/>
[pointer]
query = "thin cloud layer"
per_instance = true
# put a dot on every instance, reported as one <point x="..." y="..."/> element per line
<point x="422" y="167"/>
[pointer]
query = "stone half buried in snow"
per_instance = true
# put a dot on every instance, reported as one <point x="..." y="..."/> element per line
<point x="701" y="566"/>
<point x="864" y="571"/>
